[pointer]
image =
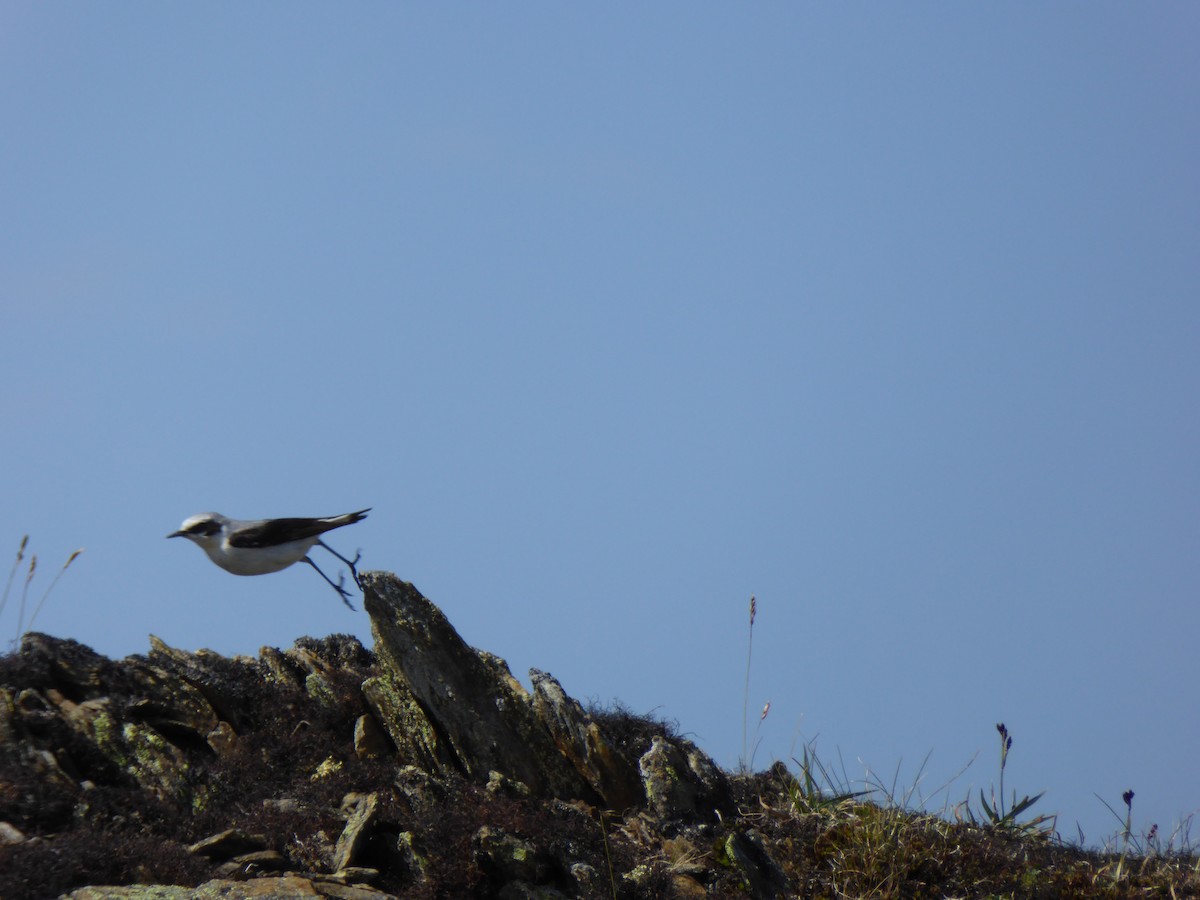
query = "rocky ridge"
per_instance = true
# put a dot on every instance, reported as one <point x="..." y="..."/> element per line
<point x="421" y="768"/>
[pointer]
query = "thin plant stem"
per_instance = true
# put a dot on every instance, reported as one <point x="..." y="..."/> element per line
<point x="757" y="739"/>
<point x="612" y="879"/>
<point x="13" y="572"/>
<point x="24" y="595"/>
<point x="746" y="692"/>
<point x="38" y="608"/>
<point x="1005" y="743"/>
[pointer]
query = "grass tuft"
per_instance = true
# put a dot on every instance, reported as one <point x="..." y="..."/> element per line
<point x="999" y="814"/>
<point x="815" y="790"/>
<point x="869" y="843"/>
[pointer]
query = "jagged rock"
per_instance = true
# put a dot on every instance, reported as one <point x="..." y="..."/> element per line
<point x="54" y="717"/>
<point x="507" y="858"/>
<point x="227" y="844"/>
<point x="499" y="668"/>
<point x="222" y="739"/>
<point x="33" y="708"/>
<point x="164" y="654"/>
<point x="82" y="717"/>
<point x="281" y="669"/>
<point x="319" y="661"/>
<point x="287" y="887"/>
<point x="485" y="722"/>
<point x="337" y="652"/>
<point x="585" y="877"/>
<point x="261" y="859"/>
<point x="250" y="864"/>
<point x="158" y="765"/>
<point x="149" y="892"/>
<point x="606" y="769"/>
<point x="420" y="791"/>
<point x="139" y="715"/>
<point x="687" y="886"/>
<point x="223" y="682"/>
<point x="639" y="874"/>
<point x="171" y="705"/>
<point x="10" y="834"/>
<point x="70" y="665"/>
<point x="499" y="783"/>
<point x="416" y="741"/>
<point x="49" y="771"/>
<point x="321" y="689"/>
<point x="370" y="741"/>
<point x="350" y="891"/>
<point x="764" y="878"/>
<point x="398" y="856"/>
<point x="8" y="732"/>
<point x="357" y="830"/>
<point x="681" y="782"/>
<point x="327" y="768"/>
<point x="352" y="875"/>
<point x="313" y="665"/>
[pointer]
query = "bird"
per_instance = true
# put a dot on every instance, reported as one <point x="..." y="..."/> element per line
<point x="260" y="546"/>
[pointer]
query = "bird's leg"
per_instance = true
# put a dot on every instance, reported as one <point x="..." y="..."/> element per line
<point x="357" y="557"/>
<point x="345" y="595"/>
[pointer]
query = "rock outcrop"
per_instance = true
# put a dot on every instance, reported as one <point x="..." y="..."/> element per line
<point x="419" y="768"/>
<point x="422" y="769"/>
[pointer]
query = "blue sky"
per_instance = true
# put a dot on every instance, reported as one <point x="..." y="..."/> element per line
<point x="617" y="315"/>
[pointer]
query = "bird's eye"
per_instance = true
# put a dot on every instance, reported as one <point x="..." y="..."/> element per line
<point x="206" y="527"/>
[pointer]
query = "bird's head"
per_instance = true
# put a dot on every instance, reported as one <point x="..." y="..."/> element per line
<point x="201" y="528"/>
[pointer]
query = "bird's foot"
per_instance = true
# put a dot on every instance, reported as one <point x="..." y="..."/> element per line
<point x="340" y="588"/>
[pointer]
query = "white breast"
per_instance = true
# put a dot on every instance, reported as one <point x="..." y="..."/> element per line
<point x="258" y="560"/>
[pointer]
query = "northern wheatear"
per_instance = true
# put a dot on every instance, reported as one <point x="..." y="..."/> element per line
<point x="259" y="546"/>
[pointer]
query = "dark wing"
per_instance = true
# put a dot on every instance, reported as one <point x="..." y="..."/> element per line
<point x="279" y="531"/>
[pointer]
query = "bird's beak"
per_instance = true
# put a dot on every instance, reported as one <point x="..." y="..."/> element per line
<point x="175" y="534"/>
